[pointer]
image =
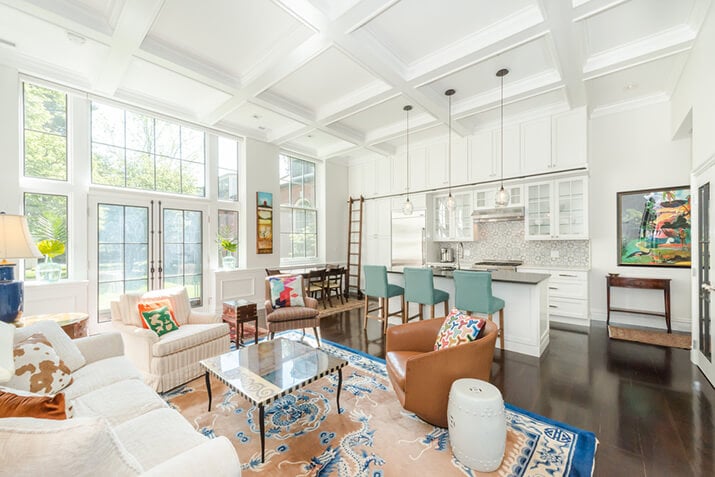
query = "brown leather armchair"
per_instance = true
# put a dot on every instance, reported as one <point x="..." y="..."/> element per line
<point x="422" y="377"/>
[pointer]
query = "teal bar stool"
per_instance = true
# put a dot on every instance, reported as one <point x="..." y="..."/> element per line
<point x="473" y="294"/>
<point x="376" y="286"/>
<point x="419" y="288"/>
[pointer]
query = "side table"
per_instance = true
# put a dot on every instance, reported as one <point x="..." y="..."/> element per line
<point x="74" y="324"/>
<point x="236" y="313"/>
<point x="643" y="283"/>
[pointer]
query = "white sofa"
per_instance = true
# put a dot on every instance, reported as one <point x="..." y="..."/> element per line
<point x="120" y="427"/>
<point x="172" y="359"/>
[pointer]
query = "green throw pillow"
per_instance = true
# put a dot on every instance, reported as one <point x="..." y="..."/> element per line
<point x="160" y="320"/>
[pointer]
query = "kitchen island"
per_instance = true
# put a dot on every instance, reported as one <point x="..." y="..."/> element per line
<point x="526" y="317"/>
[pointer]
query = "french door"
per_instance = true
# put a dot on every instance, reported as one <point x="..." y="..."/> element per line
<point x="140" y="245"/>
<point x="706" y="276"/>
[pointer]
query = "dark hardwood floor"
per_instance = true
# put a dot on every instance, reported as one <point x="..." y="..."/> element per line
<point x="650" y="408"/>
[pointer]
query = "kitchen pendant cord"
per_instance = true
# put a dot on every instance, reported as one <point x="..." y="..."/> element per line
<point x="501" y="119"/>
<point x="407" y="144"/>
<point x="449" y="147"/>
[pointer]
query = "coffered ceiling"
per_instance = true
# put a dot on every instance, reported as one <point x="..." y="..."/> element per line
<point x="329" y="78"/>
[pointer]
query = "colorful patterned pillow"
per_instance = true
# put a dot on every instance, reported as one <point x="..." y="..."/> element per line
<point x="38" y="367"/>
<point x="158" y="316"/>
<point x="286" y="291"/>
<point x="458" y="328"/>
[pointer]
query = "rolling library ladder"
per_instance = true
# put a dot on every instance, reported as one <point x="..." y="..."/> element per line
<point x="355" y="216"/>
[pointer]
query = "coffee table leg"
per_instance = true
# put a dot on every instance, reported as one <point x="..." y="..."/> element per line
<point x="263" y="432"/>
<point x="208" y="388"/>
<point x="256" y="339"/>
<point x="340" y="385"/>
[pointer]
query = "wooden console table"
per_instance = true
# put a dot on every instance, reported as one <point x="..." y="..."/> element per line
<point x="642" y="283"/>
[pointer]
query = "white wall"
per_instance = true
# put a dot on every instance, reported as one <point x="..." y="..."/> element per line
<point x="10" y="197"/>
<point x="629" y="151"/>
<point x="695" y="92"/>
<point x="336" y="212"/>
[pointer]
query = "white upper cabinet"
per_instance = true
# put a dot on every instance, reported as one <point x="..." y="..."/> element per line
<point x="482" y="155"/>
<point x="398" y="173"/>
<point x="536" y="146"/>
<point x="437" y="165"/>
<point x="569" y="140"/>
<point x="512" y="152"/>
<point x="485" y="198"/>
<point x="453" y="225"/>
<point x="557" y="210"/>
<point x="460" y="160"/>
<point x="418" y="169"/>
<point x="382" y="174"/>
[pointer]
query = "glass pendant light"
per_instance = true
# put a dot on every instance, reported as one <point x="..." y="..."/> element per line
<point x="451" y="203"/>
<point x="407" y="207"/>
<point x="502" y="197"/>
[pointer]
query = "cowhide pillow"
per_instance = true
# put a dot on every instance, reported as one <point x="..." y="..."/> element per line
<point x="38" y="367"/>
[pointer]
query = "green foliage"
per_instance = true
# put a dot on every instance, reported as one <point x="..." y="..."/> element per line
<point x="51" y="248"/>
<point x="226" y="240"/>
<point x="45" y="133"/>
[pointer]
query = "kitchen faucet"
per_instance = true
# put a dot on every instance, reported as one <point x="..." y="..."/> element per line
<point x="460" y="254"/>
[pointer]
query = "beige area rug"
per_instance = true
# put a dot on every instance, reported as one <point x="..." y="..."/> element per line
<point x="659" y="338"/>
<point x="352" y="304"/>
<point x="373" y="436"/>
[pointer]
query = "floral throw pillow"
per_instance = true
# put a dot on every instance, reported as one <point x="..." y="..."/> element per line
<point x="38" y="367"/>
<point x="286" y="291"/>
<point x="458" y="328"/>
<point x="158" y="316"/>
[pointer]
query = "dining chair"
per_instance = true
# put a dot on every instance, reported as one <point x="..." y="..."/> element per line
<point x="334" y="283"/>
<point x="272" y="271"/>
<point x="316" y="284"/>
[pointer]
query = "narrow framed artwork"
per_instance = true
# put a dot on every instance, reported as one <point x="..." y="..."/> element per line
<point x="654" y="227"/>
<point x="264" y="222"/>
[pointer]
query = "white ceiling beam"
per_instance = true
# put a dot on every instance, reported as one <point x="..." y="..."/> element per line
<point x="133" y="23"/>
<point x="565" y="44"/>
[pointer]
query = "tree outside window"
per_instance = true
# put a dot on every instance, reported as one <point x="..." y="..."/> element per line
<point x="47" y="220"/>
<point x="45" y="132"/>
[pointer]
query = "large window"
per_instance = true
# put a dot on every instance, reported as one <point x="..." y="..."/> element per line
<point x="299" y="216"/>
<point x="47" y="220"/>
<point x="137" y="151"/>
<point x="45" y="132"/>
<point x="227" y="169"/>
<point x="227" y="235"/>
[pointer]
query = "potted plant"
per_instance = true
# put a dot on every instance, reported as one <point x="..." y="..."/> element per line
<point x="49" y="270"/>
<point x="228" y="246"/>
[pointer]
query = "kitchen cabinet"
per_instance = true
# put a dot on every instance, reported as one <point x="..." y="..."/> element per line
<point x="437" y="165"/>
<point x="536" y="146"/>
<point x="376" y="232"/>
<point x="485" y="198"/>
<point x="453" y="225"/>
<point x="418" y="169"/>
<point x="382" y="174"/>
<point x="419" y="201"/>
<point x="482" y="157"/>
<point x="398" y="174"/>
<point x="370" y="178"/>
<point x="567" y="295"/>
<point x="460" y="160"/>
<point x="557" y="210"/>
<point x="512" y="152"/>
<point x="569" y="139"/>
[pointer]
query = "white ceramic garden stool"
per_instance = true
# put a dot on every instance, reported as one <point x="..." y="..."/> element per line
<point x="477" y="424"/>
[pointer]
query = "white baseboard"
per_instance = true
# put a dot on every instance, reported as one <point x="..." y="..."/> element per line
<point x="676" y="323"/>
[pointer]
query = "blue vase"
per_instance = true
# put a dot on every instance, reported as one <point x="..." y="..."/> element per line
<point x="10" y="294"/>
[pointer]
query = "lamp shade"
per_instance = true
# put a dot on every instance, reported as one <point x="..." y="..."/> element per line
<point x="15" y="238"/>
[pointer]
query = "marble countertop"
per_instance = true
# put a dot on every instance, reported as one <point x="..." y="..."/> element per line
<point x="497" y="276"/>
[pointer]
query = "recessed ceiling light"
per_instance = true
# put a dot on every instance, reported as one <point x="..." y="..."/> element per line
<point x="630" y="86"/>
<point x="262" y="128"/>
<point x="76" y="38"/>
<point x="7" y="43"/>
<point x="256" y="117"/>
<point x="309" y="136"/>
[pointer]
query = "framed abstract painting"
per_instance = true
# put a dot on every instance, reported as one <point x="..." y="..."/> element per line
<point x="654" y="227"/>
<point x="264" y="222"/>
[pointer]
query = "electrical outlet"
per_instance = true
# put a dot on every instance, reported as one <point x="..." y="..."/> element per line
<point x="554" y="254"/>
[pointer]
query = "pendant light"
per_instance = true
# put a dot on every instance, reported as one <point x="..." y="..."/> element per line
<point x="451" y="203"/>
<point x="407" y="207"/>
<point x="502" y="198"/>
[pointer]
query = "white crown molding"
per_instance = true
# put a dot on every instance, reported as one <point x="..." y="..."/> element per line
<point x="70" y="16"/>
<point x="43" y="70"/>
<point x="594" y="8"/>
<point x="418" y="122"/>
<point x="629" y="105"/>
<point x="362" y="106"/>
<point x="356" y="97"/>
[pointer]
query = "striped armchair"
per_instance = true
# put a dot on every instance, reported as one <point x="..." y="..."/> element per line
<point x="292" y="317"/>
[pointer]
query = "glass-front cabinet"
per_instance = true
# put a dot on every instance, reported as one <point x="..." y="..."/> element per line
<point x="485" y="198"/>
<point x="453" y="225"/>
<point x="557" y="210"/>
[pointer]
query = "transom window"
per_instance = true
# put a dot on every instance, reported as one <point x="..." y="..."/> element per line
<point x="45" y="132"/>
<point x="137" y="151"/>
<point x="299" y="215"/>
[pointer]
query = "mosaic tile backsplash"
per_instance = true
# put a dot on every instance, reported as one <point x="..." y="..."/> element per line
<point x="505" y="241"/>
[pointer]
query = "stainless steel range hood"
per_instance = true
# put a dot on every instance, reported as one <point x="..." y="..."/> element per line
<point x="498" y="214"/>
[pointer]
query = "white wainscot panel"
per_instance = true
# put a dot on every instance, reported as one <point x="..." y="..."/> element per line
<point x="64" y="296"/>
<point x="246" y="284"/>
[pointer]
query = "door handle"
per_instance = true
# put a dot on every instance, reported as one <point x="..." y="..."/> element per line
<point x="708" y="287"/>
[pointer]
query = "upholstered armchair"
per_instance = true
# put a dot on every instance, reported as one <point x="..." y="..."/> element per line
<point x="422" y="377"/>
<point x="171" y="359"/>
<point x="292" y="317"/>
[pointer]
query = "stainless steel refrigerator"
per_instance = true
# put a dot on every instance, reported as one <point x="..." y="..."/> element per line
<point x="408" y="238"/>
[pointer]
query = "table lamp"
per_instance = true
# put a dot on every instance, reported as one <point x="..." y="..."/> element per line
<point x="15" y="242"/>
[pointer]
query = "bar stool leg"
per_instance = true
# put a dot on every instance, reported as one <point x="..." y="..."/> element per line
<point x="364" y="326"/>
<point x="501" y="328"/>
<point x="446" y="307"/>
<point x="420" y="311"/>
<point x="432" y="311"/>
<point x="405" y="315"/>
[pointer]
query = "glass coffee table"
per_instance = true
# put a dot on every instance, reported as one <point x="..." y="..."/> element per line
<point x="266" y="371"/>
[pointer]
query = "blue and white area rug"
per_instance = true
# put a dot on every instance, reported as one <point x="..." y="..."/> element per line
<point x="374" y="436"/>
